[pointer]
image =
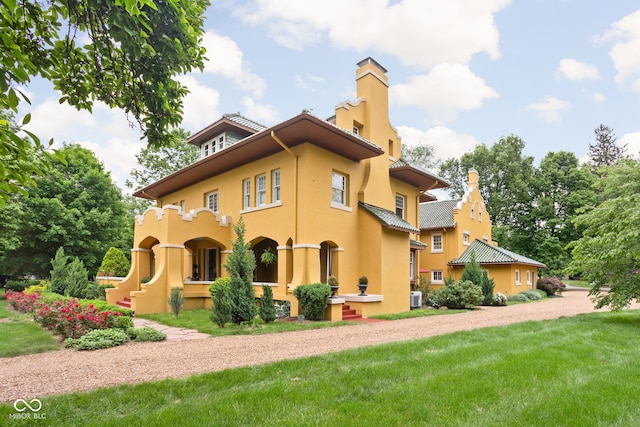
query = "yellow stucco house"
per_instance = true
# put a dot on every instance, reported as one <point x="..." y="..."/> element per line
<point x="454" y="229"/>
<point x="328" y="197"/>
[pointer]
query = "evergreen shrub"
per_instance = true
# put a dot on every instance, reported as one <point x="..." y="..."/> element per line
<point x="220" y="291"/>
<point x="267" y="311"/>
<point x="312" y="299"/>
<point x="462" y="294"/>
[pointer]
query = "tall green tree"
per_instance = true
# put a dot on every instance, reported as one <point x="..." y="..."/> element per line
<point x="156" y="162"/>
<point x="240" y="265"/>
<point x="75" y="205"/>
<point x="506" y="177"/>
<point x="562" y="187"/>
<point x="135" y="50"/>
<point x="608" y="253"/>
<point x="604" y="151"/>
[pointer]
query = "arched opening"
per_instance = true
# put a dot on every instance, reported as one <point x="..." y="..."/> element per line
<point x="203" y="256"/>
<point x="147" y="259"/>
<point x="266" y="253"/>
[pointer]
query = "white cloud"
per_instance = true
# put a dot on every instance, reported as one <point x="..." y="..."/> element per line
<point x="625" y="52"/>
<point x="262" y="113"/>
<point x="200" y="106"/>
<point x="550" y="108"/>
<point x="576" y="70"/>
<point x="310" y="82"/>
<point x="449" y="31"/>
<point x="117" y="155"/>
<point x="445" y="91"/>
<point x="598" y="97"/>
<point x="447" y="142"/>
<point x="633" y="143"/>
<point x="50" y="119"/>
<point x="226" y="59"/>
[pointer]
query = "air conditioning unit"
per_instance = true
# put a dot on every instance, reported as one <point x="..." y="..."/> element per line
<point x="416" y="299"/>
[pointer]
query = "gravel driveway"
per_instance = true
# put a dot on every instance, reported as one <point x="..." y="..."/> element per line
<point x="65" y="371"/>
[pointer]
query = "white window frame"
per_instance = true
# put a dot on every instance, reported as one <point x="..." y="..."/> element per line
<point x="205" y="149"/>
<point x="261" y="190"/>
<point x="213" y="201"/>
<point x="518" y="283"/>
<point x="401" y="207"/>
<point x="221" y="142"/>
<point x="339" y="185"/>
<point x="246" y="193"/>
<point x="528" y="277"/>
<point x="437" y="277"/>
<point x="412" y="265"/>
<point x="275" y="186"/>
<point x="435" y="249"/>
<point x="466" y="238"/>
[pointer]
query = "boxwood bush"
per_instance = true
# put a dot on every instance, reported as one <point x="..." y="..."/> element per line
<point x="462" y="294"/>
<point x="312" y="299"/>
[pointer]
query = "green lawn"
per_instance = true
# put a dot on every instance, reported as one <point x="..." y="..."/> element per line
<point x="20" y="335"/>
<point x="577" y="371"/>
<point x="578" y="283"/>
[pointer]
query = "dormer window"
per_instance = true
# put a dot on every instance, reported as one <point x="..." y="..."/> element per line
<point x="214" y="145"/>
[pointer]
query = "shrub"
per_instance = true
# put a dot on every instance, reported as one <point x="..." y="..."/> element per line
<point x="24" y="303"/>
<point x="518" y="298"/>
<point x="267" y="311"/>
<point x="532" y="295"/>
<point x="472" y="271"/>
<point x="220" y="291"/>
<point x="487" y="288"/>
<point x="102" y="294"/>
<point x="462" y="294"/>
<point x="96" y="339"/>
<point x="176" y="301"/>
<point x="499" y="299"/>
<point x="36" y="289"/>
<point x="146" y="334"/>
<point x="59" y="272"/>
<point x="71" y="320"/>
<point x="20" y="285"/>
<point x="116" y="262"/>
<point x="312" y="299"/>
<point x="550" y="285"/>
<point x="76" y="279"/>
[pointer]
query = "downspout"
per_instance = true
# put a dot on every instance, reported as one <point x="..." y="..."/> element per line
<point x="295" y="184"/>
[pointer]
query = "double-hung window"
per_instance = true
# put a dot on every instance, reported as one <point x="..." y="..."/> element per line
<point x="436" y="242"/>
<point x="400" y="204"/>
<point x="275" y="186"/>
<point x="246" y="193"/>
<point x="261" y="190"/>
<point x="339" y="188"/>
<point x="437" y="277"/>
<point x="212" y="201"/>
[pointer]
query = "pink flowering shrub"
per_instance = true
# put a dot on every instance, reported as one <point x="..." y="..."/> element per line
<point x="24" y="303"/>
<point x="67" y="318"/>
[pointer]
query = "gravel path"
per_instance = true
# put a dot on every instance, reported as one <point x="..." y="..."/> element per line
<point x="65" y="371"/>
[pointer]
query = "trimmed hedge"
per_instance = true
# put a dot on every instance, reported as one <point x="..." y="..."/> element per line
<point x="313" y="299"/>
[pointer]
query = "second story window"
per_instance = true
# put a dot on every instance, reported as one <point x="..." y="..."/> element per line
<point x="339" y="188"/>
<point x="246" y="193"/>
<point x="436" y="242"/>
<point x="261" y="190"/>
<point x="275" y="186"/>
<point x="212" y="201"/>
<point x="205" y="149"/>
<point x="400" y="203"/>
<point x="221" y="142"/>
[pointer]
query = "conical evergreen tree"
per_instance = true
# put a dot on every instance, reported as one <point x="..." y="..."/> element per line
<point x="240" y="265"/>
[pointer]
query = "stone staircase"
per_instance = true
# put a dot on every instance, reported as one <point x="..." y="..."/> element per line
<point x="126" y="302"/>
<point x="349" y="314"/>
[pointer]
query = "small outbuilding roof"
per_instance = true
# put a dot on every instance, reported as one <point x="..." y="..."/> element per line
<point x="490" y="254"/>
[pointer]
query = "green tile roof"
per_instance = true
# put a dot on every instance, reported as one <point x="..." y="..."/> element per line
<point x="437" y="214"/>
<point x="388" y="218"/>
<point x="490" y="254"/>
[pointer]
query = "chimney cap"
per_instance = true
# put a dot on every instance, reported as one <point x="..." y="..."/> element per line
<point x="370" y="60"/>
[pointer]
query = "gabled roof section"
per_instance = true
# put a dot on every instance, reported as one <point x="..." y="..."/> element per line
<point x="419" y="178"/>
<point x="297" y="130"/>
<point x="490" y="254"/>
<point x="235" y="122"/>
<point x="438" y="214"/>
<point x="389" y="219"/>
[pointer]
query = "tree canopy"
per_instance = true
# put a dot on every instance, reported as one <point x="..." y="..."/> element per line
<point x="135" y="49"/>
<point x="608" y="253"/>
<point x="605" y="151"/>
<point x="75" y="205"/>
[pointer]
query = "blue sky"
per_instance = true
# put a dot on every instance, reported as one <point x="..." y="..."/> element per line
<point x="461" y="72"/>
